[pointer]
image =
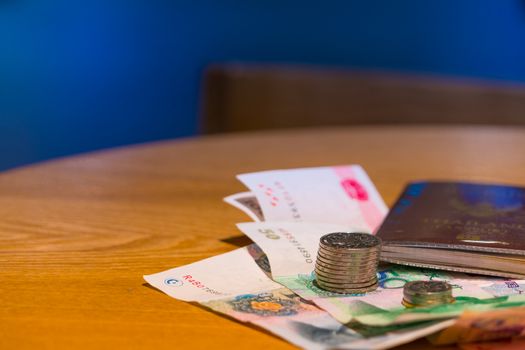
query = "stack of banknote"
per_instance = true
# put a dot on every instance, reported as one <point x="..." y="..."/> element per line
<point x="271" y="283"/>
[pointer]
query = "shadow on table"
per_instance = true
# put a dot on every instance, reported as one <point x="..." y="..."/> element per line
<point x="238" y="241"/>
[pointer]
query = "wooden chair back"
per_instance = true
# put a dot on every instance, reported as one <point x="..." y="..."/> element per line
<point x="251" y="97"/>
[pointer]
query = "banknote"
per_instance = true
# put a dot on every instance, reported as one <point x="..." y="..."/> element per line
<point x="339" y="195"/>
<point x="491" y="325"/>
<point x="247" y="203"/>
<point x="233" y="284"/>
<point x="291" y="249"/>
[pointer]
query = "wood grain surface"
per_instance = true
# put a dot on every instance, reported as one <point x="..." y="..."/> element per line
<point x="77" y="234"/>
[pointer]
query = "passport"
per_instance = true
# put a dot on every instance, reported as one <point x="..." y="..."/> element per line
<point x="458" y="226"/>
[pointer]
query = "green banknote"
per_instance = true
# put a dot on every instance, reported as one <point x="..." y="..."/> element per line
<point x="291" y="248"/>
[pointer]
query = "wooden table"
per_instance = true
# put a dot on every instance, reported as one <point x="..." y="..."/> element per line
<point x="77" y="234"/>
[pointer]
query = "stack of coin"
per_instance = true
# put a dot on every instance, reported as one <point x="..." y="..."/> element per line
<point x="347" y="262"/>
<point x="427" y="293"/>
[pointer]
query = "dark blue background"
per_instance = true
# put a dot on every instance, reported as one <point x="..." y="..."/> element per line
<point x="84" y="75"/>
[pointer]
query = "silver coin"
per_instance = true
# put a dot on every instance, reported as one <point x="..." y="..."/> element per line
<point x="357" y="276"/>
<point x="348" y="263"/>
<point x="361" y="279"/>
<point x="408" y="304"/>
<point x="424" y="293"/>
<point x="345" y="278"/>
<point x="428" y="297"/>
<point x="349" y="257"/>
<point x="349" y="284"/>
<point x="425" y="298"/>
<point x="341" y="266"/>
<point x="427" y="288"/>
<point x="419" y="302"/>
<point x="349" y="290"/>
<point x="346" y="286"/>
<point x="349" y="277"/>
<point x="348" y="251"/>
<point x="335" y="271"/>
<point x="348" y="254"/>
<point x="348" y="280"/>
<point x="349" y="240"/>
<point x="345" y="274"/>
<point x="337" y="249"/>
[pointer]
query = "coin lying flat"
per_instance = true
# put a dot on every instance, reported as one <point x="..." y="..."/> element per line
<point x="342" y="278"/>
<point x="336" y="284"/>
<point x="349" y="290"/>
<point x="349" y="240"/>
<point x="349" y="251"/>
<point x="345" y="273"/>
<point x="332" y="264"/>
<point x="427" y="293"/>
<point x="342" y="281"/>
<point x="347" y="262"/>
<point x="407" y="304"/>
<point x="347" y="258"/>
